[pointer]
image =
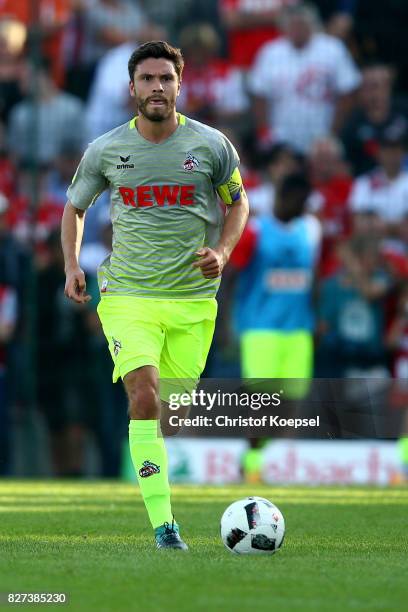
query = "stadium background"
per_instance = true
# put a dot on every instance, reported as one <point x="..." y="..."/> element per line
<point x="63" y="82"/>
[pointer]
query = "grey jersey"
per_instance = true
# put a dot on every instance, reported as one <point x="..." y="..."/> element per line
<point x="164" y="206"/>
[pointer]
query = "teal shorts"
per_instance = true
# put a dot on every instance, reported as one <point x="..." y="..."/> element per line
<point x="172" y="335"/>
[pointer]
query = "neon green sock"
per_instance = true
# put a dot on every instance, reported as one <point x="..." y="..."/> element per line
<point x="149" y="458"/>
<point x="403" y="449"/>
<point x="252" y="461"/>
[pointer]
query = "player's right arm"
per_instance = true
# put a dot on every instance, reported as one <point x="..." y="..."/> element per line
<point x="72" y="229"/>
<point x="87" y="184"/>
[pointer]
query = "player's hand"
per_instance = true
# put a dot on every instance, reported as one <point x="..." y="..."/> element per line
<point x="210" y="261"/>
<point x="75" y="286"/>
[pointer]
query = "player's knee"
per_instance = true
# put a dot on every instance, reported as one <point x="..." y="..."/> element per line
<point x="168" y="426"/>
<point x="144" y="402"/>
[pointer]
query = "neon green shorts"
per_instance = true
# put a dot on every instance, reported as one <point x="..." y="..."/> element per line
<point x="172" y="335"/>
<point x="279" y="355"/>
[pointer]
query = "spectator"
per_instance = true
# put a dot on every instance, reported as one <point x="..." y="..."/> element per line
<point x="303" y="83"/>
<point x="332" y="183"/>
<point x="62" y="171"/>
<point x="250" y="24"/>
<point x="397" y="342"/>
<point x="110" y="23"/>
<point x="378" y="112"/>
<point x="380" y="35"/>
<point x="96" y="27"/>
<point x="66" y="396"/>
<point x="351" y="325"/>
<point x="12" y="38"/>
<point x="338" y="16"/>
<point x="45" y="21"/>
<point x="213" y="89"/>
<point x="8" y="321"/>
<point x="12" y="256"/>
<point x="397" y="336"/>
<point x="52" y="117"/>
<point x="383" y="193"/>
<point x="278" y="162"/>
<point x="7" y="169"/>
<point x="173" y="16"/>
<point x="110" y="87"/>
<point x="56" y="183"/>
<point x="32" y="219"/>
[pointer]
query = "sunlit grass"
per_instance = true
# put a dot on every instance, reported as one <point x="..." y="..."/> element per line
<point x="346" y="549"/>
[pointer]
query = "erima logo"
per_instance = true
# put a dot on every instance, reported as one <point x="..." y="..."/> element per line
<point x="124" y="165"/>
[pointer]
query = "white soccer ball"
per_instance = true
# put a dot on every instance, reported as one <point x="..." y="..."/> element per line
<point x="253" y="525"/>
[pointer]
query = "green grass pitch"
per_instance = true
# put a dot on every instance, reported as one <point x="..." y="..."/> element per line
<point x="345" y="549"/>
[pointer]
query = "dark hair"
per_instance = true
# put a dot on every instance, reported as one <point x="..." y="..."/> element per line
<point x="156" y="49"/>
<point x="295" y="182"/>
<point x="275" y="152"/>
<point x="292" y="196"/>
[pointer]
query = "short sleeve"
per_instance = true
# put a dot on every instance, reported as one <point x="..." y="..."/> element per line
<point x="226" y="159"/>
<point x="347" y="76"/>
<point x="261" y="76"/>
<point x="359" y="200"/>
<point x="88" y="182"/>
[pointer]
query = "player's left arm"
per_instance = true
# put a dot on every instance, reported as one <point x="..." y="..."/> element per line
<point x="212" y="261"/>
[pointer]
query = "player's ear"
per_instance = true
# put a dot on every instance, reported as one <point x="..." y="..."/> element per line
<point x="132" y="89"/>
<point x="178" y="88"/>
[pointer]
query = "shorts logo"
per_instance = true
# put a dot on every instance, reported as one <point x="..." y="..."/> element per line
<point x="190" y="163"/>
<point x="148" y="469"/>
<point x="124" y="163"/>
<point x="117" y="345"/>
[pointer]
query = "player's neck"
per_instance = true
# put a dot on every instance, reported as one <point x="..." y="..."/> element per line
<point x="157" y="131"/>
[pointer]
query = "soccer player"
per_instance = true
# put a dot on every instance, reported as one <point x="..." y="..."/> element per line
<point x="171" y="241"/>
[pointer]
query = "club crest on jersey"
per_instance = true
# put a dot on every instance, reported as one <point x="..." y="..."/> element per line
<point x="124" y="163"/>
<point x="190" y="163"/>
<point x="148" y="469"/>
<point x="117" y="345"/>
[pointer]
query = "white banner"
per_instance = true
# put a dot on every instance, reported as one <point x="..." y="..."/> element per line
<point x="216" y="461"/>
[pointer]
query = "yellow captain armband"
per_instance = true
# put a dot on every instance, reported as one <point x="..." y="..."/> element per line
<point x="231" y="191"/>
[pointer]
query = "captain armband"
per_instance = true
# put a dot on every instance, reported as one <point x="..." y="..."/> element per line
<point x="232" y="190"/>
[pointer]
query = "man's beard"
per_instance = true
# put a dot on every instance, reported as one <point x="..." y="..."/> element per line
<point x="157" y="114"/>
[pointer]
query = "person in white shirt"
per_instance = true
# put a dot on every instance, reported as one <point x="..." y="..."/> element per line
<point x="383" y="192"/>
<point x="303" y="83"/>
<point x="110" y="86"/>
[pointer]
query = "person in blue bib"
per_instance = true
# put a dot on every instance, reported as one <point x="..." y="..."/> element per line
<point x="274" y="314"/>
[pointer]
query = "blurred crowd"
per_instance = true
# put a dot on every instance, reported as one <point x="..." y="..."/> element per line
<point x="318" y="89"/>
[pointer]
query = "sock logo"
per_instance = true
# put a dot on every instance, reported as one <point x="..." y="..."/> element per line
<point x="148" y="469"/>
